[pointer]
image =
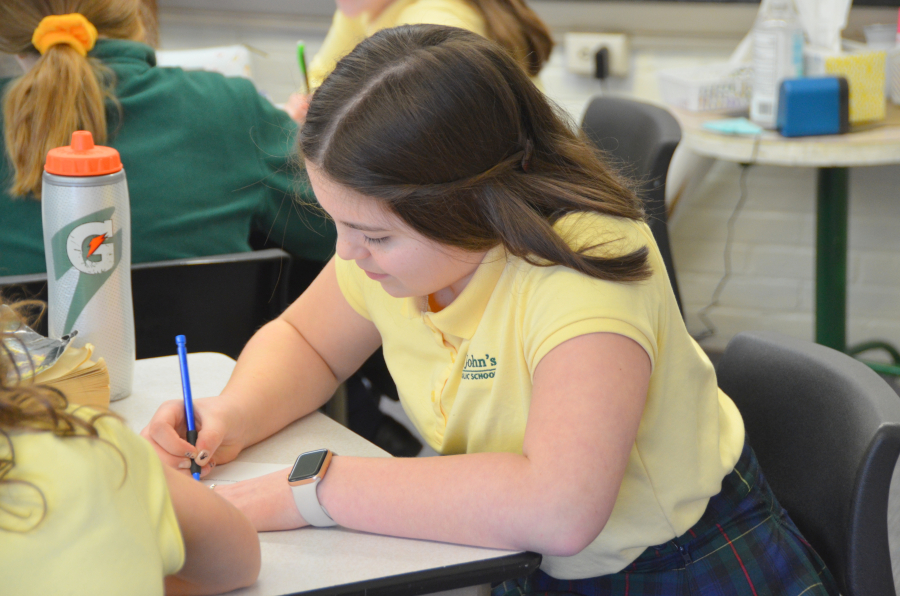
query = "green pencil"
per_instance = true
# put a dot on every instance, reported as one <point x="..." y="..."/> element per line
<point x="301" y="61"/>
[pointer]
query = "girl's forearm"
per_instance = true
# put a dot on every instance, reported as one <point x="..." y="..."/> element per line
<point x="266" y="391"/>
<point x="222" y="549"/>
<point x="496" y="500"/>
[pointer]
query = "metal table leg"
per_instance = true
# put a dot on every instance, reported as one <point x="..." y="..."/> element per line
<point x="831" y="271"/>
<point x="831" y="258"/>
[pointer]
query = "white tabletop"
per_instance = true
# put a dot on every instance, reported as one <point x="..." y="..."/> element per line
<point x="309" y="558"/>
<point x="871" y="144"/>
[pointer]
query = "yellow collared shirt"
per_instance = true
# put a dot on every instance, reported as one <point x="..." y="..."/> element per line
<point x="109" y="526"/>
<point x="345" y="32"/>
<point x="464" y="376"/>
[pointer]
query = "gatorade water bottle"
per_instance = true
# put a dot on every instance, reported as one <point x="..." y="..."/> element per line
<point x="87" y="241"/>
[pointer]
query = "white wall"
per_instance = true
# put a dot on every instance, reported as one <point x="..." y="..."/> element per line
<point x="773" y="252"/>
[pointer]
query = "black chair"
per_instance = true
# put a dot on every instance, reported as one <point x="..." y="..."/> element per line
<point x="642" y="138"/>
<point x="826" y="431"/>
<point x="218" y="302"/>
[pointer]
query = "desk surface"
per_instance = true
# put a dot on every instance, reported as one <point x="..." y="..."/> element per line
<point x="872" y="144"/>
<point x="324" y="560"/>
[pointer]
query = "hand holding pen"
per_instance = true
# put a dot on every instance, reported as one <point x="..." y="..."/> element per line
<point x="181" y="342"/>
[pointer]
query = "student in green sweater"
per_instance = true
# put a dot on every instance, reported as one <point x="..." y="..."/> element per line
<point x="208" y="159"/>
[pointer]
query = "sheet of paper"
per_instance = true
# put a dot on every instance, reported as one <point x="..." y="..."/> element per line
<point x="240" y="470"/>
<point x="231" y="61"/>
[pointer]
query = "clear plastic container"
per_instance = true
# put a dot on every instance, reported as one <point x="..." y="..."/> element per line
<point x="777" y="55"/>
<point x="893" y="65"/>
<point x="883" y="36"/>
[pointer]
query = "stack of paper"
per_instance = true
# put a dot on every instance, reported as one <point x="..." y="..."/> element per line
<point x="82" y="380"/>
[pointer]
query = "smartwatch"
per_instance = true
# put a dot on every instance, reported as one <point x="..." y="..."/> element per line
<point x="308" y="471"/>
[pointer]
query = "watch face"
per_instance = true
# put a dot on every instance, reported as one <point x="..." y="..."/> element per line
<point x="308" y="465"/>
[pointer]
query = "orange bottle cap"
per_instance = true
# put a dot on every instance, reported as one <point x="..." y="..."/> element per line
<point x="82" y="158"/>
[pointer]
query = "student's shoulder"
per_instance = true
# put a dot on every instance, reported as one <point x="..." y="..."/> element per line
<point x="204" y="84"/>
<point x="208" y="98"/>
<point x="453" y="13"/>
<point x="592" y="233"/>
<point x="603" y="235"/>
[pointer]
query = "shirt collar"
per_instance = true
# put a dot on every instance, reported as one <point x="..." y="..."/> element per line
<point x="123" y="50"/>
<point x="462" y="316"/>
<point x="387" y="18"/>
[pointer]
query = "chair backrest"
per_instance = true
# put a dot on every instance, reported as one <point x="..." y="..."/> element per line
<point x="826" y="431"/>
<point x="218" y="302"/>
<point x="642" y="138"/>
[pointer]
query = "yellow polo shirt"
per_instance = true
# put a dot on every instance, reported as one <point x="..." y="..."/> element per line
<point x="345" y="32"/>
<point x="109" y="526"/>
<point x="464" y="376"/>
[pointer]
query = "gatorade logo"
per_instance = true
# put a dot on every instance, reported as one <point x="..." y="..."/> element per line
<point x="91" y="246"/>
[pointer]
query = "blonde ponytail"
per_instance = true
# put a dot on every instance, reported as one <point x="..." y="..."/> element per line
<point x="62" y="93"/>
<point x="65" y="90"/>
<point x="518" y="29"/>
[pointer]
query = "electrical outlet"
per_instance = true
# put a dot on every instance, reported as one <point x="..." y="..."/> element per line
<point x="582" y="47"/>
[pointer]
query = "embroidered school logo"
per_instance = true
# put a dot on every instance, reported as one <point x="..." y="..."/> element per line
<point x="479" y="368"/>
<point x="90" y="246"/>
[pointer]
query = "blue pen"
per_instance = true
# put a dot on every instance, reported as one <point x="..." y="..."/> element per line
<point x="180" y="341"/>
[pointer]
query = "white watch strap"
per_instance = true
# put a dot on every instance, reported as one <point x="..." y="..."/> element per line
<point x="308" y="505"/>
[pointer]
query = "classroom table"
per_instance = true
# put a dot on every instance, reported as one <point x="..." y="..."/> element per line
<point x="873" y="144"/>
<point x="326" y="561"/>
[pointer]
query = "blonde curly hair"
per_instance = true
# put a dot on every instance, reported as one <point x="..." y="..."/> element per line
<point x="33" y="407"/>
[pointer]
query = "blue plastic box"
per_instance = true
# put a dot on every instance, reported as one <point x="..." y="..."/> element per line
<point x="814" y="106"/>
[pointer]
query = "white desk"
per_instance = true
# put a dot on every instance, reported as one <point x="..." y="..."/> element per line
<point x="872" y="144"/>
<point x="325" y="560"/>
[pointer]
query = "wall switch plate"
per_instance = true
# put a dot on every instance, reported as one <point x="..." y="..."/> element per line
<point x="582" y="47"/>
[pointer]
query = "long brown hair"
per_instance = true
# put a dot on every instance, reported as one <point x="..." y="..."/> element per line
<point x="64" y="91"/>
<point x="444" y="130"/>
<point x="517" y="28"/>
<point x="37" y="408"/>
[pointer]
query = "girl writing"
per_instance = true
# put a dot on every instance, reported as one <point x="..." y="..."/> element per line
<point x="525" y="314"/>
<point x="514" y="26"/>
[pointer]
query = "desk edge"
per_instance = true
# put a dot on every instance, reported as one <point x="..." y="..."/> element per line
<point x="462" y="575"/>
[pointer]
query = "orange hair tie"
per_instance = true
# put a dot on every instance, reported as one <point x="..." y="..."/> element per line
<point x="72" y="29"/>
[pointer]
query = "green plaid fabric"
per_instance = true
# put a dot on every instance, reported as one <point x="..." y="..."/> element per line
<point x="744" y="545"/>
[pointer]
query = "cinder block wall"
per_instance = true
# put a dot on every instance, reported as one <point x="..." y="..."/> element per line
<point x="773" y="252"/>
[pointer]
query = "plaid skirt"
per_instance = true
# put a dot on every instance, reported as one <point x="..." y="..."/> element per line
<point x="744" y="545"/>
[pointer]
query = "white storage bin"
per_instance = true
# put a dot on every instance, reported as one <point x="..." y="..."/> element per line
<point x="702" y="88"/>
